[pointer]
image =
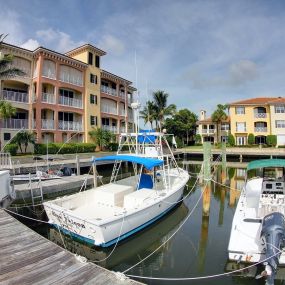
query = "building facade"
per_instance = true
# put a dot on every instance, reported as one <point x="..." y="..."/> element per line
<point x="211" y="131"/>
<point x="62" y="97"/>
<point x="260" y="117"/>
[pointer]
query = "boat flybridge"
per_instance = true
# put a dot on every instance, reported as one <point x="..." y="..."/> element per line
<point x="258" y="227"/>
<point x="109" y="213"/>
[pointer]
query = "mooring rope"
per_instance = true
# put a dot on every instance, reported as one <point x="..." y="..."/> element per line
<point x="171" y="236"/>
<point x="206" y="276"/>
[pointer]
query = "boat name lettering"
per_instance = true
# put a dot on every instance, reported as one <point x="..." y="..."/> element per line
<point x="70" y="221"/>
<point x="56" y="215"/>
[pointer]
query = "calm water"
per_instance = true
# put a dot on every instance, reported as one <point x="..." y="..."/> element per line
<point x="199" y="248"/>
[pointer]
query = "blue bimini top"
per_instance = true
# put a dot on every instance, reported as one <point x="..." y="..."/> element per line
<point x="148" y="163"/>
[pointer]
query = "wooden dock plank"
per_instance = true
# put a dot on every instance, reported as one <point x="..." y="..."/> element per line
<point x="28" y="258"/>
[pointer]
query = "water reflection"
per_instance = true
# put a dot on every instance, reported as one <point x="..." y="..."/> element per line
<point x="198" y="249"/>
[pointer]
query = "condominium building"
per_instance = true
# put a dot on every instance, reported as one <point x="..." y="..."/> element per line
<point x="260" y="117"/>
<point x="211" y="131"/>
<point x="62" y="97"/>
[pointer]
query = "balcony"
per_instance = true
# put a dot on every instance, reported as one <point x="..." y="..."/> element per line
<point x="47" y="124"/>
<point x="109" y="91"/>
<point x="70" y="126"/>
<point x="112" y="129"/>
<point x="109" y="109"/>
<point x="15" y="124"/>
<point x="72" y="102"/>
<point x="122" y="95"/>
<point x="122" y="112"/>
<point x="241" y="130"/>
<point x="260" y="115"/>
<point x="260" y="129"/>
<point x="48" y="98"/>
<point x="15" y="96"/>
<point x="208" y="131"/>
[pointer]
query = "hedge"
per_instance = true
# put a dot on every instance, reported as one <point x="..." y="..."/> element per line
<point x="11" y="148"/>
<point x="271" y="140"/>
<point x="62" y="148"/>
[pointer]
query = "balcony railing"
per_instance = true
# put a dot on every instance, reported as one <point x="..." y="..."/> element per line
<point x="260" y="129"/>
<point x="109" y="109"/>
<point x="47" y="124"/>
<point x="260" y="115"/>
<point x="241" y="130"/>
<point x="112" y="129"/>
<point x="77" y="103"/>
<point x="70" y="126"/>
<point x="122" y="95"/>
<point x="48" y="98"/>
<point x="15" y="96"/>
<point x="108" y="90"/>
<point x="122" y="112"/>
<point x="15" y="124"/>
<point x="208" y="131"/>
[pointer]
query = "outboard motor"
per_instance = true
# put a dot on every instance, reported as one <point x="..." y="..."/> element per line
<point x="273" y="237"/>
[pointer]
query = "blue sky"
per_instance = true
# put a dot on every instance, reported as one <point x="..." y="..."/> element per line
<point x="200" y="52"/>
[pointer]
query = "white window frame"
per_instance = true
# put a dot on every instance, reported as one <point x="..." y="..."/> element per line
<point x="240" y="110"/>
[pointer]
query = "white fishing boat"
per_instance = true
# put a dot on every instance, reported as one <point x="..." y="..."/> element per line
<point x="258" y="228"/>
<point x="109" y="213"/>
<point x="7" y="191"/>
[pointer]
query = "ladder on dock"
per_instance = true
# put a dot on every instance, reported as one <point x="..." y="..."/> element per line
<point x="36" y="192"/>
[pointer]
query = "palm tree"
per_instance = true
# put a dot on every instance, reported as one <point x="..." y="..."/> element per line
<point x="218" y="116"/>
<point x="162" y="110"/>
<point x="101" y="137"/>
<point x="6" y="68"/>
<point x="6" y="112"/>
<point x="148" y="113"/>
<point x="7" y="71"/>
<point x="24" y="138"/>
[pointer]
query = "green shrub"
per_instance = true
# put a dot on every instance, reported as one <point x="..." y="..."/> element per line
<point x="251" y="139"/>
<point x="179" y="142"/>
<point x="281" y="146"/>
<point x="113" y="146"/>
<point x="63" y="148"/>
<point x="11" y="148"/>
<point x="271" y="140"/>
<point x="231" y="140"/>
<point x="198" y="139"/>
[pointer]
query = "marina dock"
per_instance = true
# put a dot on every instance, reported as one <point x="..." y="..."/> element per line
<point x="28" y="258"/>
<point x="64" y="185"/>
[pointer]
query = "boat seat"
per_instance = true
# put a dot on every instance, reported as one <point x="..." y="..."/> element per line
<point x="138" y="198"/>
<point x="145" y="182"/>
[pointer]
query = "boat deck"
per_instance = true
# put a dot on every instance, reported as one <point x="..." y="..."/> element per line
<point x="28" y="258"/>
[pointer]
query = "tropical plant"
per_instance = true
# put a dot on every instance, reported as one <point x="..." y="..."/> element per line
<point x="7" y="71"/>
<point x="250" y="139"/>
<point x="6" y="60"/>
<point x="182" y="125"/>
<point x="231" y="140"/>
<point x="162" y="110"/>
<point x="101" y="137"/>
<point x="271" y="140"/>
<point x="198" y="139"/>
<point x="218" y="116"/>
<point x="6" y="112"/>
<point x="148" y="114"/>
<point x="24" y="138"/>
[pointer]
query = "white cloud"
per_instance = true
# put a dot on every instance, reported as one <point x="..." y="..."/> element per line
<point x="57" y="40"/>
<point x="112" y="45"/>
<point x="242" y="72"/>
<point x="30" y="44"/>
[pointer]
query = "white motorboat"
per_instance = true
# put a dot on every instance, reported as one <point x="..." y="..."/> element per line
<point x="109" y="213"/>
<point x="7" y="191"/>
<point x="258" y="228"/>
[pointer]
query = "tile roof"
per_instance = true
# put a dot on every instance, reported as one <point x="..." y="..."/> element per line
<point x="209" y="120"/>
<point x="260" y="100"/>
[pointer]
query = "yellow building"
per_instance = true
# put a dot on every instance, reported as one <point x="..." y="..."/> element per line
<point x="251" y="116"/>
<point x="92" y="56"/>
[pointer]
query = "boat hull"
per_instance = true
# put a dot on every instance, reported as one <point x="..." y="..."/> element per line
<point x="124" y="224"/>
